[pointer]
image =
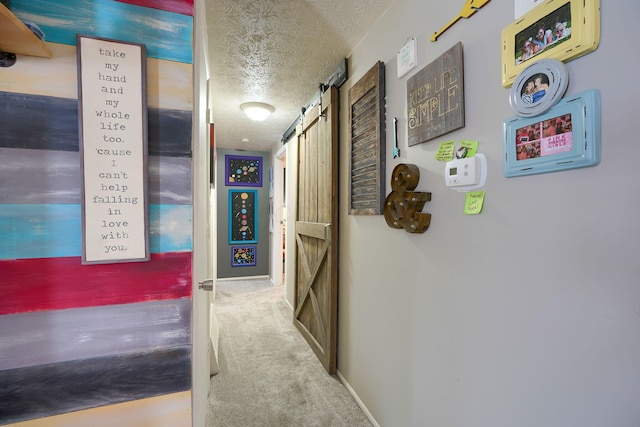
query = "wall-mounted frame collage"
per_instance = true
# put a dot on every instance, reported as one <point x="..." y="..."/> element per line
<point x="243" y="171"/>
<point x="550" y="133"/>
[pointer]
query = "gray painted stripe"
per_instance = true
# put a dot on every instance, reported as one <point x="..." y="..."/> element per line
<point x="56" y="180"/>
<point x="30" y="339"/>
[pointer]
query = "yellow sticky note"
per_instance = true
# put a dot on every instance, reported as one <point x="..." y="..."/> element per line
<point x="445" y="151"/>
<point x="471" y="146"/>
<point x="474" y="202"/>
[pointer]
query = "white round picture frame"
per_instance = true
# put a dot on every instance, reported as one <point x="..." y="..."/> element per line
<point x="539" y="87"/>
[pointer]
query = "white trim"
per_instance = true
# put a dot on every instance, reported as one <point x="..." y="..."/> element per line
<point x="232" y="279"/>
<point x="281" y="152"/>
<point x="357" y="399"/>
<point x="201" y="259"/>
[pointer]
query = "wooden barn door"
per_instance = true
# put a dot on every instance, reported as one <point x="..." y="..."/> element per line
<point x="316" y="287"/>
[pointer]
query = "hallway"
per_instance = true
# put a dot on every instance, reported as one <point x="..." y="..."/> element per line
<point x="268" y="374"/>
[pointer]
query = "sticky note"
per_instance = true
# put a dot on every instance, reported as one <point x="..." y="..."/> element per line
<point x="474" y="202"/>
<point x="445" y="151"/>
<point x="471" y="146"/>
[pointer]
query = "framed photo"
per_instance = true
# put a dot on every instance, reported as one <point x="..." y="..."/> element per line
<point x="539" y="87"/>
<point x="243" y="221"/>
<point x="566" y="137"/>
<point x="245" y="171"/>
<point x="243" y="256"/>
<point x="558" y="29"/>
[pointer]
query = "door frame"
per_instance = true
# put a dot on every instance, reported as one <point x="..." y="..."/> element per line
<point x="291" y="176"/>
<point x="278" y="161"/>
<point x="201" y="259"/>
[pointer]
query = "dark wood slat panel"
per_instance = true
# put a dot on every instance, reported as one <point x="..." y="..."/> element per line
<point x="51" y="123"/>
<point x="368" y="143"/>
<point x="46" y="390"/>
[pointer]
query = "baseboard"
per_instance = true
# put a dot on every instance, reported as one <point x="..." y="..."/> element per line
<point x="214" y="338"/>
<point x="289" y="304"/>
<point x="231" y="279"/>
<point x="357" y="399"/>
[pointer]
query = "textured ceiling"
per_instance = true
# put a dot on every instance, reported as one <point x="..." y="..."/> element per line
<point x="276" y="51"/>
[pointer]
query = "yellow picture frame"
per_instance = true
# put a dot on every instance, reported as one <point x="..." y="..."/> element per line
<point x="558" y="29"/>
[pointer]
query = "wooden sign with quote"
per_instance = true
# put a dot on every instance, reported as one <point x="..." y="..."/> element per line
<point x="435" y="98"/>
<point x="113" y="149"/>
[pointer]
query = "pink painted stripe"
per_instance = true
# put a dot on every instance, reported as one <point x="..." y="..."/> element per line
<point x="184" y="7"/>
<point x="39" y="284"/>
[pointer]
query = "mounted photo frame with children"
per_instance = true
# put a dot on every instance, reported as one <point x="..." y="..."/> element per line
<point x="556" y="29"/>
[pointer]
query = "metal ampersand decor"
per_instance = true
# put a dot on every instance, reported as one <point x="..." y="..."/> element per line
<point x="402" y="207"/>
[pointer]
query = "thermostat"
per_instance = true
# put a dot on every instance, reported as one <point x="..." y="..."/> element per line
<point x="467" y="173"/>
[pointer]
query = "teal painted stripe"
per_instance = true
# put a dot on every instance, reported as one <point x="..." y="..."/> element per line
<point x="170" y="228"/>
<point x="166" y="35"/>
<point x="55" y="230"/>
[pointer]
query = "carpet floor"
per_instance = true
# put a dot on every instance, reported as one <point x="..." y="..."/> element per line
<point x="269" y="376"/>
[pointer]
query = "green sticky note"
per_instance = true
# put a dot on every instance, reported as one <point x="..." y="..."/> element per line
<point x="474" y="202"/>
<point x="471" y="146"/>
<point x="445" y="151"/>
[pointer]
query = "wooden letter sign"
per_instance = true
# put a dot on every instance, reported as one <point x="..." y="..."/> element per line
<point x="435" y="98"/>
<point x="403" y="206"/>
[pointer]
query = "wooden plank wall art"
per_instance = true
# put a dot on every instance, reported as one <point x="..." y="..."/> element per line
<point x="79" y="338"/>
<point x="243" y="225"/>
<point x="435" y="98"/>
<point x="368" y="143"/>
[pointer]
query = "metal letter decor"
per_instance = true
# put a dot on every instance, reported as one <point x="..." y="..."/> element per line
<point x="402" y="206"/>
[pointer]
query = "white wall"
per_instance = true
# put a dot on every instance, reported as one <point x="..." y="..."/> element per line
<point x="529" y="313"/>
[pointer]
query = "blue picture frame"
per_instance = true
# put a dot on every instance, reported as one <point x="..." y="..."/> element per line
<point x="243" y="216"/>
<point x="565" y="137"/>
